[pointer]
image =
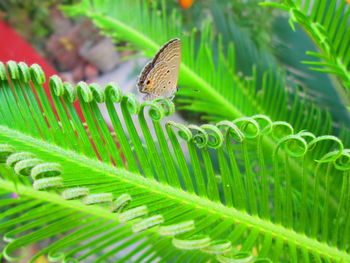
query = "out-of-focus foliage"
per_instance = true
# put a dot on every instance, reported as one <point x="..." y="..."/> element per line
<point x="263" y="37"/>
<point x="31" y="18"/>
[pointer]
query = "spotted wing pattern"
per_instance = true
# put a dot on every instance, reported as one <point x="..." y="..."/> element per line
<point x="159" y="77"/>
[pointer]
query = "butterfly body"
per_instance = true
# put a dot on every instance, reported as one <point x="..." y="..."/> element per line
<point x="159" y="77"/>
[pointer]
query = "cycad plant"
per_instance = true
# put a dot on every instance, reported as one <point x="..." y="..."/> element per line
<point x="224" y="92"/>
<point x="241" y="189"/>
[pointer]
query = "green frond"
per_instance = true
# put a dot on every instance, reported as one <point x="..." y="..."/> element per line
<point x="290" y="48"/>
<point x="207" y="66"/>
<point x="269" y="48"/>
<point x="287" y="49"/>
<point x="327" y="23"/>
<point x="249" y="189"/>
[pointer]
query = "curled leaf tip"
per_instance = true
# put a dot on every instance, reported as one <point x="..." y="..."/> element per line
<point x="70" y="93"/>
<point x="130" y="102"/>
<point x="48" y="183"/>
<point x="183" y="131"/>
<point x="45" y="170"/>
<point x="16" y="157"/>
<point x="24" y="167"/>
<point x="167" y="105"/>
<point x="281" y="129"/>
<point x="97" y="198"/>
<point x="132" y="213"/>
<point x="200" y="137"/>
<point x="13" y="69"/>
<point x="342" y="163"/>
<point x="97" y="93"/>
<point x="5" y="151"/>
<point x="326" y="157"/>
<point x="119" y="204"/>
<point x="195" y="242"/>
<point x="46" y="176"/>
<point x="24" y="72"/>
<point x="37" y="74"/>
<point x="75" y="193"/>
<point x="231" y="131"/>
<point x="155" y="112"/>
<point x="147" y="223"/>
<point x="294" y="145"/>
<point x="176" y="229"/>
<point x="56" y="85"/>
<point x="3" y="73"/>
<point x="248" y="126"/>
<point x="264" y="122"/>
<point x="218" y="247"/>
<point x="215" y="137"/>
<point x="240" y="257"/>
<point x="84" y="92"/>
<point x="113" y="92"/>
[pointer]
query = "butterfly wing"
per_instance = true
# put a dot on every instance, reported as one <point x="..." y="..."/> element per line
<point x="143" y="76"/>
<point x="159" y="81"/>
<point x="159" y="77"/>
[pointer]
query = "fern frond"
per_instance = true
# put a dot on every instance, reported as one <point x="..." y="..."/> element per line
<point x="224" y="94"/>
<point x="111" y="194"/>
<point x="327" y="23"/>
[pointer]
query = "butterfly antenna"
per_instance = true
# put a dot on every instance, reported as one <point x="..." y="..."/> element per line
<point x="196" y="90"/>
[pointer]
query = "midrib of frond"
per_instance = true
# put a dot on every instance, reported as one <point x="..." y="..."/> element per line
<point x="154" y="187"/>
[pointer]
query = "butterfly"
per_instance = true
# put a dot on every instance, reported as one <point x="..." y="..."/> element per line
<point x="159" y="77"/>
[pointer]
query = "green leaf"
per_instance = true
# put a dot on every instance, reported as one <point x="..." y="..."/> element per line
<point x="273" y="195"/>
<point x="327" y="24"/>
<point x="208" y="67"/>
